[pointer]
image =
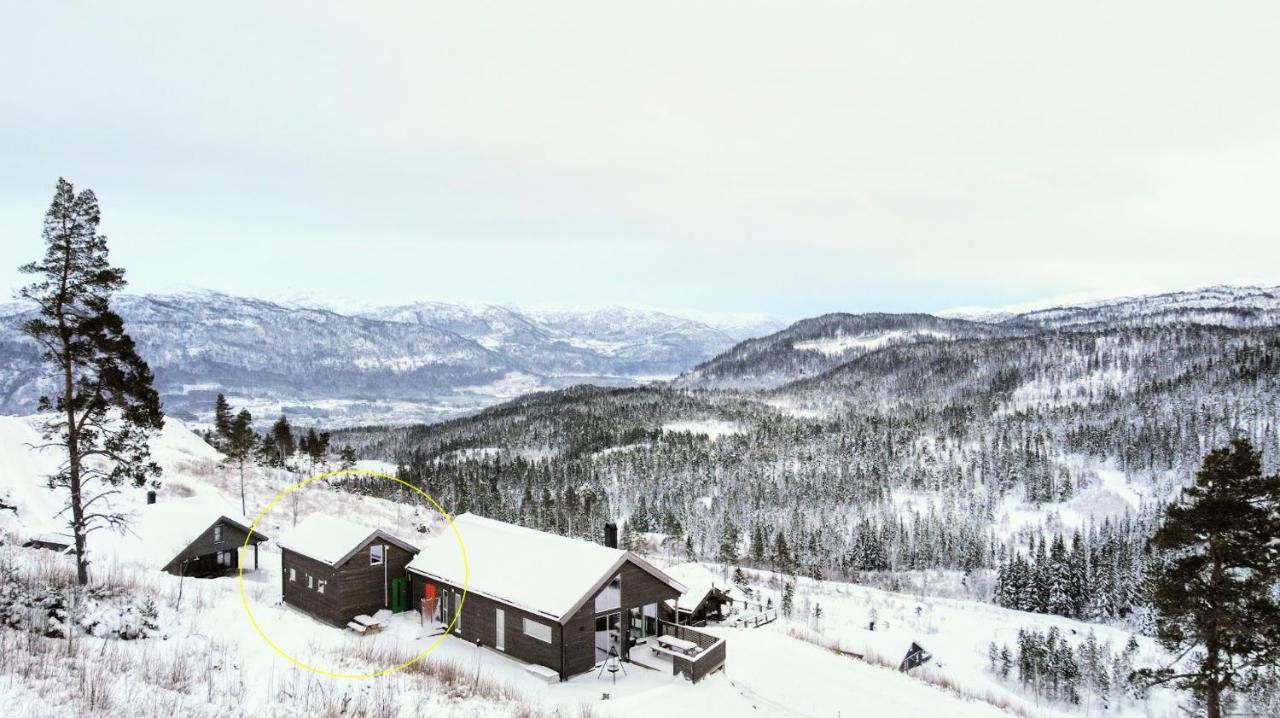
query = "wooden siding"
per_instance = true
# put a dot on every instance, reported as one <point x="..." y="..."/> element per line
<point x="698" y="667"/>
<point x="325" y="606"/>
<point x="580" y="640"/>
<point x="204" y="546"/>
<point x="479" y="623"/>
<point x="351" y="589"/>
<point x="639" y="587"/>
<point x="573" y="645"/>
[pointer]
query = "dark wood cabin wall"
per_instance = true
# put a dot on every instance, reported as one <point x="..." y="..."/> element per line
<point x="479" y="622"/>
<point x="367" y="588"/>
<point x="327" y="606"/>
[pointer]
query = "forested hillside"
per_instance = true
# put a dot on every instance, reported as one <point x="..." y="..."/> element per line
<point x="953" y="453"/>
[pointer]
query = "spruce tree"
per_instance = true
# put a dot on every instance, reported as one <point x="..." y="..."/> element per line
<point x="105" y="405"/>
<point x="1215" y="593"/>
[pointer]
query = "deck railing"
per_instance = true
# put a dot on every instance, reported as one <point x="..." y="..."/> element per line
<point x="696" y="667"/>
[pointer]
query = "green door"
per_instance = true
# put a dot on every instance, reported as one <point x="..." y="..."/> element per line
<point x="399" y="594"/>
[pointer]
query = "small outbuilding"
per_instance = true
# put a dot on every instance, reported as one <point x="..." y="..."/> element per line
<point x="558" y="602"/>
<point x="198" y="537"/>
<point x="335" y="570"/>
<point x="52" y="541"/>
<point x="704" y="599"/>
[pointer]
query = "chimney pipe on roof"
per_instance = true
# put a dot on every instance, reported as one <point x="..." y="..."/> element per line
<point x="151" y="496"/>
<point x="611" y="535"/>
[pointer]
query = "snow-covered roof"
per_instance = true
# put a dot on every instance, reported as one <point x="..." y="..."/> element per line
<point x="158" y="532"/>
<point x="331" y="540"/>
<point x="537" y="571"/>
<point x="699" y="581"/>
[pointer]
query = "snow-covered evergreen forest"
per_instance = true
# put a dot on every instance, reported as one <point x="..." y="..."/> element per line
<point x="1034" y="460"/>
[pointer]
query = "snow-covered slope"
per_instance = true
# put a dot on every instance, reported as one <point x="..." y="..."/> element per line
<point x="812" y="346"/>
<point x="205" y="645"/>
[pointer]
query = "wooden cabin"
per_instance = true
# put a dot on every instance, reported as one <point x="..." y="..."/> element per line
<point x="705" y="598"/>
<point x="214" y="550"/>
<point x="335" y="570"/>
<point x="197" y="537"/>
<point x="557" y="602"/>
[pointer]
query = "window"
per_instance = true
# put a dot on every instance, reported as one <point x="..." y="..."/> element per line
<point x="217" y="534"/>
<point x="540" y="631"/>
<point x="610" y="597"/>
<point x="224" y="558"/>
<point x="311" y="581"/>
<point x="376" y="554"/>
<point x="293" y="575"/>
<point x="320" y="586"/>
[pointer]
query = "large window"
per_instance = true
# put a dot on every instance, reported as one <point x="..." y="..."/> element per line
<point x="376" y="554"/>
<point x="224" y="558"/>
<point x="644" y="621"/>
<point x="540" y="631"/>
<point x="610" y="597"/>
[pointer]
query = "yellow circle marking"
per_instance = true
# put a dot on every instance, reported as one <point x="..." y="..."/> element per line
<point x="466" y="576"/>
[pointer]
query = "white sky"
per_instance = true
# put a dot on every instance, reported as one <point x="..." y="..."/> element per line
<point x="783" y="157"/>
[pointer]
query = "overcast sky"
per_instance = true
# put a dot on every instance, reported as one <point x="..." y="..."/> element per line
<point x="783" y="157"/>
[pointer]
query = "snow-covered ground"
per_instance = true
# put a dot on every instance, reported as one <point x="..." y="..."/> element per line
<point x="713" y="428"/>
<point x="211" y="659"/>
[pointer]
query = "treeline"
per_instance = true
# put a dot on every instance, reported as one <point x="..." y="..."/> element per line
<point x="1099" y="573"/>
<point x="1047" y="665"/>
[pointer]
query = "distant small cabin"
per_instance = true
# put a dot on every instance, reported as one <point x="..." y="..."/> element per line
<point x="562" y="603"/>
<point x="194" y="537"/>
<point x="335" y="570"/>
<point x="705" y="598"/>
<point x="215" y="550"/>
<point x="51" y="541"/>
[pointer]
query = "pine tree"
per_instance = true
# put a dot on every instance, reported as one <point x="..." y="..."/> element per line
<point x="788" y="598"/>
<point x="1215" y="592"/>
<point x="628" y="537"/>
<point x="238" y="446"/>
<point x="1059" y="572"/>
<point x="346" y="458"/>
<point x="782" y="559"/>
<point x="758" y="541"/>
<point x="727" y="553"/>
<point x="281" y="442"/>
<point x="105" y="405"/>
<point x="221" y="420"/>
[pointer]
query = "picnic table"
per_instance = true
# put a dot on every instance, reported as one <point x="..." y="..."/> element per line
<point x="365" y="624"/>
<point x="672" y="643"/>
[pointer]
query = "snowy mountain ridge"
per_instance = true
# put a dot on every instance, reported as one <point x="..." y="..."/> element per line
<point x="412" y="363"/>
